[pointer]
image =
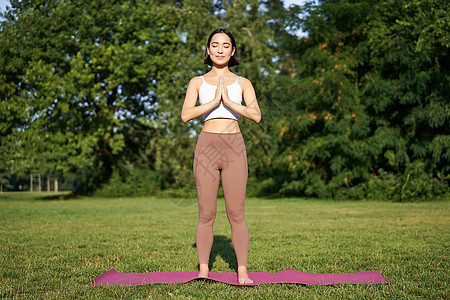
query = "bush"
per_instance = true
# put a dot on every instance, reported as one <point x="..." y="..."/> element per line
<point x="414" y="185"/>
<point x="137" y="181"/>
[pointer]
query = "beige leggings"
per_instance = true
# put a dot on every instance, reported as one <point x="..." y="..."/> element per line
<point x="221" y="155"/>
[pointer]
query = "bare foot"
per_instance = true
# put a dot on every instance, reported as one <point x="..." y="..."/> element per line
<point x="204" y="271"/>
<point x="243" y="275"/>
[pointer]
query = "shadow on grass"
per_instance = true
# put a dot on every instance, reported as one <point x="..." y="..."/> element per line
<point x="35" y="196"/>
<point x="224" y="247"/>
<point x="59" y="196"/>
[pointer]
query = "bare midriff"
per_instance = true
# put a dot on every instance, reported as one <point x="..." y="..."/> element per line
<point x="221" y="125"/>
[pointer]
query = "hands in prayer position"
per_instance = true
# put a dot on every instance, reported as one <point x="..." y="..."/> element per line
<point x="221" y="93"/>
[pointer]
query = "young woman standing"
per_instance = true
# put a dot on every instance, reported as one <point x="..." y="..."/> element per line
<point x="220" y="152"/>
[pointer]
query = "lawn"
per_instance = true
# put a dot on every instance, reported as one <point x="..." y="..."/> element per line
<point x="52" y="247"/>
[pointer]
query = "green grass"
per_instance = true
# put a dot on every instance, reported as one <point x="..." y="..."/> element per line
<point x="52" y="247"/>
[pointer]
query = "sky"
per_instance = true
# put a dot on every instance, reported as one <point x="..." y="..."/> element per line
<point x="3" y="4"/>
<point x="286" y="2"/>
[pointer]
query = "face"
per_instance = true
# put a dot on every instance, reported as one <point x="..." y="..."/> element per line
<point x="220" y="49"/>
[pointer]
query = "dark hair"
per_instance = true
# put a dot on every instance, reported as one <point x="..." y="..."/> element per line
<point x="234" y="60"/>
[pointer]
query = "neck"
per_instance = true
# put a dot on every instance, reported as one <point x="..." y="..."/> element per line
<point x="219" y="70"/>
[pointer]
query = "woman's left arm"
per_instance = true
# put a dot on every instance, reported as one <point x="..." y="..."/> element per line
<point x="251" y="109"/>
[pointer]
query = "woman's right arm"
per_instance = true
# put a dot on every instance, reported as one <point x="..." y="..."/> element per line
<point x="189" y="110"/>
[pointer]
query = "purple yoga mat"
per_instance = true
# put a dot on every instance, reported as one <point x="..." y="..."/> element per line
<point x="286" y="276"/>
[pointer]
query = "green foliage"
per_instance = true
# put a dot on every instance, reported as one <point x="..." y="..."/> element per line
<point x="362" y="99"/>
<point x="430" y="21"/>
<point x="139" y="181"/>
<point x="358" y="108"/>
<point x="267" y="187"/>
<point x="414" y="185"/>
<point x="84" y="78"/>
<point x="5" y="182"/>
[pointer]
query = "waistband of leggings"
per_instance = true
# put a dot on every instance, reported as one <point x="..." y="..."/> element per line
<point x="220" y="133"/>
<point x="221" y="140"/>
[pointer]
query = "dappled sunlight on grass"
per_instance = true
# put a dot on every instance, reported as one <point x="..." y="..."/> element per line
<point x="54" y="248"/>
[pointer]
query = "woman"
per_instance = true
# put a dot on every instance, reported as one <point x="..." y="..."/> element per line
<point x="220" y="152"/>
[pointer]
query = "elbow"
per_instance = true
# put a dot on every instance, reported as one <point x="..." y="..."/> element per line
<point x="258" y="119"/>
<point x="183" y="118"/>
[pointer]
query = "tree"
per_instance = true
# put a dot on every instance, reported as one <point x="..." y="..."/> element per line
<point x="248" y="23"/>
<point x="364" y="105"/>
<point x="79" y="82"/>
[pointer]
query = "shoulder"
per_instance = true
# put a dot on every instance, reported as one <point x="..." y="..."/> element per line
<point x="245" y="83"/>
<point x="196" y="81"/>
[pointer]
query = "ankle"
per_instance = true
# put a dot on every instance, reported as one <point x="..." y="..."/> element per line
<point x="242" y="268"/>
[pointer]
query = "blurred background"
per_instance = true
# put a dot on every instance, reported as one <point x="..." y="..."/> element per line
<point x="354" y="96"/>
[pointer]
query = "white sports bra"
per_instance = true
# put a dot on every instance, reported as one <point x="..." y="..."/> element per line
<point x="207" y="93"/>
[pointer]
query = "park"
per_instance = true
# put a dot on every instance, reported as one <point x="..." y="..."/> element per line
<point x="348" y="166"/>
<point x="53" y="248"/>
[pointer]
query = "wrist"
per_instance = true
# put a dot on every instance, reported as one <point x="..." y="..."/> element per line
<point x="213" y="103"/>
<point x="228" y="102"/>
